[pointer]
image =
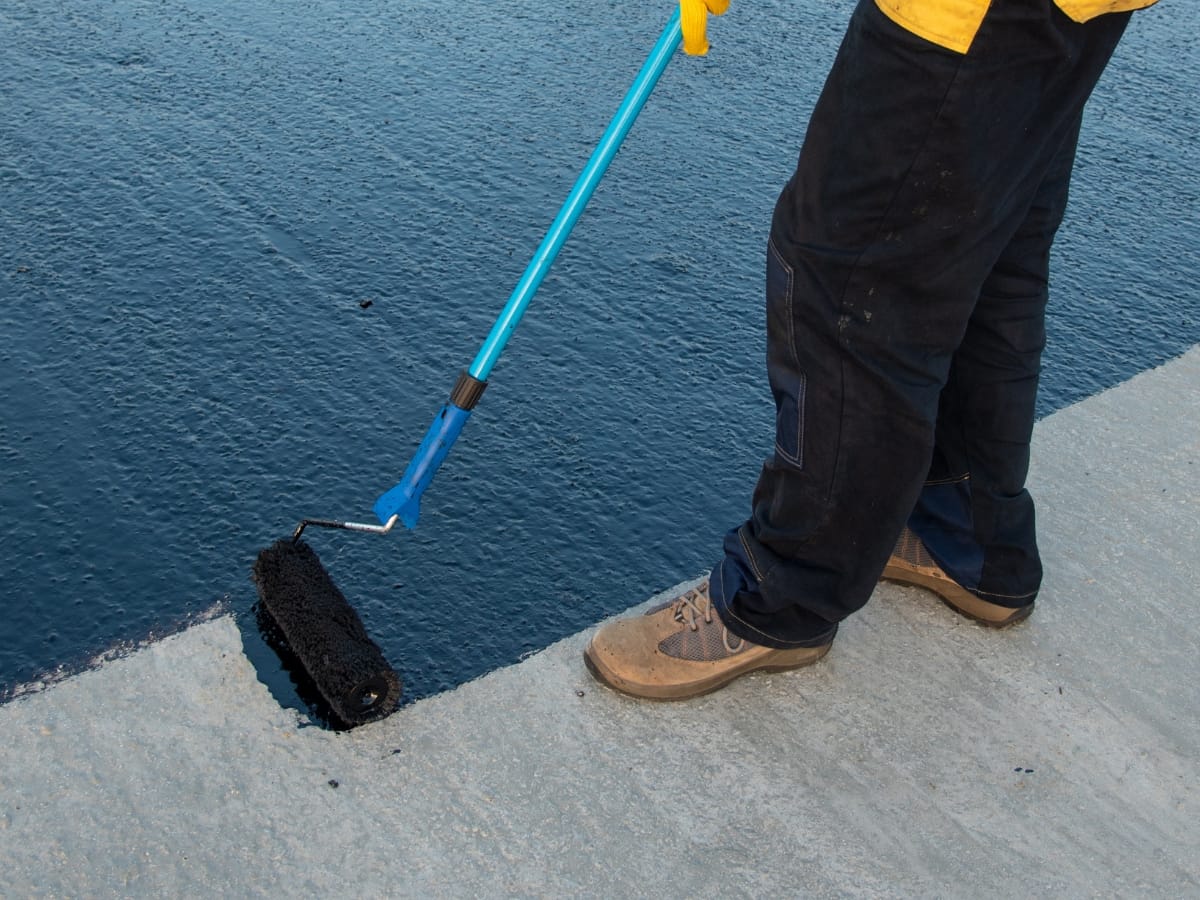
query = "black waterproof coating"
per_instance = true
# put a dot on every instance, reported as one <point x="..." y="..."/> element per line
<point x="325" y="634"/>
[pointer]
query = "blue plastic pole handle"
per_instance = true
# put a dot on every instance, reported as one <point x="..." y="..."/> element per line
<point x="404" y="499"/>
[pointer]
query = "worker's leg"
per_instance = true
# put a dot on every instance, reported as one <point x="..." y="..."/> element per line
<point x="919" y="168"/>
<point x="974" y="514"/>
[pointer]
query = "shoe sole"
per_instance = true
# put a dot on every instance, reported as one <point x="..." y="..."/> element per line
<point x="959" y="599"/>
<point x="794" y="659"/>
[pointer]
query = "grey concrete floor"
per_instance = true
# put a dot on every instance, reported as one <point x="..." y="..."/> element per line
<point x="926" y="756"/>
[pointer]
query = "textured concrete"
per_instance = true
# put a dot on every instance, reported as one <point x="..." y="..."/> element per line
<point x="926" y="756"/>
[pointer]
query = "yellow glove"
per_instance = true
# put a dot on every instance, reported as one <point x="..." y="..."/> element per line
<point x="693" y="16"/>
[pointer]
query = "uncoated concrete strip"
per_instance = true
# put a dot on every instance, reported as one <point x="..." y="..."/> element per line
<point x="925" y="756"/>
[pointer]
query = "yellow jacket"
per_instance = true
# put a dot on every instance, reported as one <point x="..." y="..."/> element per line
<point x="952" y="23"/>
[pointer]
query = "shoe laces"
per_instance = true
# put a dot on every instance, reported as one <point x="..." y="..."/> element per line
<point x="691" y="605"/>
<point x="695" y="605"/>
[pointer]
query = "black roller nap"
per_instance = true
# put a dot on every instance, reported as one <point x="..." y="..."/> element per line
<point x="325" y="634"/>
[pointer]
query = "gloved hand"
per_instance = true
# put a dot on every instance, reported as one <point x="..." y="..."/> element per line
<point x="693" y="17"/>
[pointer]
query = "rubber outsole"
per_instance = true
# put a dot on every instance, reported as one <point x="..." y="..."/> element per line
<point x="959" y="599"/>
<point x="667" y="693"/>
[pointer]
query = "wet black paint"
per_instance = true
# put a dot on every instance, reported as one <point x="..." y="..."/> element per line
<point x="245" y="250"/>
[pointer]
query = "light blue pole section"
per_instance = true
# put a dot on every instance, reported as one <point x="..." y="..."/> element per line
<point x="573" y="206"/>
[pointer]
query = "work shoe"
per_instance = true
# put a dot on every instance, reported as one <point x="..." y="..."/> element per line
<point x="910" y="563"/>
<point x="682" y="649"/>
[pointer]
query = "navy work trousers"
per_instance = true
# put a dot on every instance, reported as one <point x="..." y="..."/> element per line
<point x="907" y="273"/>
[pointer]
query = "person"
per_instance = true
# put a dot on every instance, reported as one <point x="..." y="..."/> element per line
<point x="906" y="289"/>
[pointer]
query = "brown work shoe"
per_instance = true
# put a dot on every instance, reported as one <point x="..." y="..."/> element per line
<point x="682" y="649"/>
<point x="911" y="563"/>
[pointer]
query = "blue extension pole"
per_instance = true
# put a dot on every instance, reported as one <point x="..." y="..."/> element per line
<point x="573" y="206"/>
<point x="404" y="499"/>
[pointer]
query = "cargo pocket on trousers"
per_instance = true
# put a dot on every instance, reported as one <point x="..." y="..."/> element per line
<point x="788" y="381"/>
